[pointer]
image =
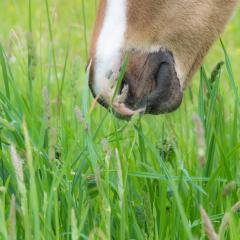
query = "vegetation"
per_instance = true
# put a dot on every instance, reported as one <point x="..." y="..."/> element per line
<point x="68" y="171"/>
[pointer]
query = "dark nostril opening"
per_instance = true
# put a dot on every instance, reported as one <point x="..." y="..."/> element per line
<point x="163" y="79"/>
<point x="167" y="94"/>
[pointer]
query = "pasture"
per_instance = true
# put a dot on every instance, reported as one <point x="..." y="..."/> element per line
<point x="69" y="170"/>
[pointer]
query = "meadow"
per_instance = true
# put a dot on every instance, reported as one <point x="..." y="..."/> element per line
<point x="69" y="171"/>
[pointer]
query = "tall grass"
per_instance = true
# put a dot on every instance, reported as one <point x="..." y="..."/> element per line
<point x="67" y="172"/>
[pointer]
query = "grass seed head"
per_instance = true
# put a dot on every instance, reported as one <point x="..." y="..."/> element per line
<point x="12" y="226"/>
<point x="80" y="117"/>
<point x="209" y="229"/>
<point x="229" y="188"/>
<point x="200" y="134"/>
<point x="236" y="207"/>
<point x="17" y="163"/>
<point x="226" y="218"/>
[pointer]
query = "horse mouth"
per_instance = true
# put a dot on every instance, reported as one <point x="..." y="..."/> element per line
<point x="152" y="84"/>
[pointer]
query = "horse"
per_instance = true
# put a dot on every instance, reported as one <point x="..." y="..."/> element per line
<point x="159" y="44"/>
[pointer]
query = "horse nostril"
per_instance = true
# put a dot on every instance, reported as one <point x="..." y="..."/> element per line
<point x="167" y="96"/>
<point x="160" y="87"/>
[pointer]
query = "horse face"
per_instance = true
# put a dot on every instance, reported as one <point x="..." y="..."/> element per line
<point x="165" y="42"/>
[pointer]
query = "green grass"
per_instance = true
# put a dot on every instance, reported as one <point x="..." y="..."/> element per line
<point x="66" y="173"/>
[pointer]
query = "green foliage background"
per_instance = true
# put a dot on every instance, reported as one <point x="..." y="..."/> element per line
<point x="68" y="173"/>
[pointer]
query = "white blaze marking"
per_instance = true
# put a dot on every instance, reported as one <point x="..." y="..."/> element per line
<point x="109" y="43"/>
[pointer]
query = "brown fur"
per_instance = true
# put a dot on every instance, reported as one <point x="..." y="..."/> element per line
<point x="182" y="31"/>
<point x="97" y="27"/>
<point x="187" y="28"/>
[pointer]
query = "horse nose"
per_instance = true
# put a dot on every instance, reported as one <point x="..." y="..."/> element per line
<point x="153" y="82"/>
<point x="167" y="96"/>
